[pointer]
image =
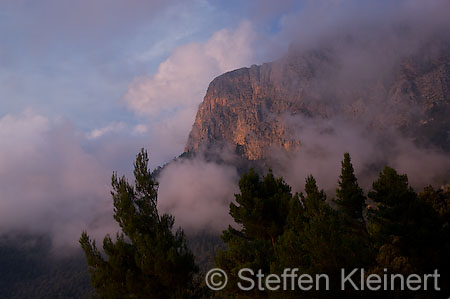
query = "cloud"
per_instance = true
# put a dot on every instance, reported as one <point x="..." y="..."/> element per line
<point x="170" y="97"/>
<point x="76" y="58"/>
<point x="198" y="193"/>
<point x="50" y="184"/>
<point x="182" y="79"/>
<point x="113" y="127"/>
<point x="324" y="142"/>
<point x="140" y="129"/>
<point x="319" y="19"/>
<point x="55" y="179"/>
<point x="82" y="20"/>
<point x="359" y="45"/>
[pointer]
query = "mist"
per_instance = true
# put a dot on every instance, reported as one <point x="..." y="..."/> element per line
<point x="198" y="193"/>
<point x="55" y="180"/>
<point x="352" y="51"/>
<point x="362" y="47"/>
<point x="324" y="142"/>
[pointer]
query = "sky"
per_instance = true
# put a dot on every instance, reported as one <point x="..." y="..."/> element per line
<point x="111" y="66"/>
<point x="84" y="85"/>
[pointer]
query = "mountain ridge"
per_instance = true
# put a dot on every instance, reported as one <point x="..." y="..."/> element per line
<point x="249" y="108"/>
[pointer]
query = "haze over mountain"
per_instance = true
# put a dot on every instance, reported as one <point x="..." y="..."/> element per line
<point x="376" y="87"/>
<point x="254" y="109"/>
<point x="367" y="77"/>
<point x="348" y="94"/>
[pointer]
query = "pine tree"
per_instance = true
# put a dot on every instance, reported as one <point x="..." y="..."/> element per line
<point x="262" y="205"/>
<point x="393" y="196"/>
<point x="261" y="211"/>
<point x="408" y="234"/>
<point x="350" y="197"/>
<point x="316" y="241"/>
<point x="147" y="260"/>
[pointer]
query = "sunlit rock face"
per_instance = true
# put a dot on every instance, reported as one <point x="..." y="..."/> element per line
<point x="254" y="110"/>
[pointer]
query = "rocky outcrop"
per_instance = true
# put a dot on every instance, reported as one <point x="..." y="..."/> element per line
<point x="250" y="108"/>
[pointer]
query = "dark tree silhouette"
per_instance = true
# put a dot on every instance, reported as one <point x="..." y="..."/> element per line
<point x="147" y="260"/>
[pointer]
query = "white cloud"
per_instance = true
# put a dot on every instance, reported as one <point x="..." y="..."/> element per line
<point x="113" y="127"/>
<point x="168" y="100"/>
<point x="182" y="79"/>
<point x="170" y="97"/>
<point x="50" y="184"/>
<point x="140" y="129"/>
<point x="198" y="194"/>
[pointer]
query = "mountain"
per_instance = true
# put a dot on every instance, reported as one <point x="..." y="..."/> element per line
<point x="253" y="109"/>
<point x="29" y="269"/>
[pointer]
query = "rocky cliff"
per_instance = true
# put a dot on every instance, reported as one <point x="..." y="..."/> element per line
<point x="250" y="108"/>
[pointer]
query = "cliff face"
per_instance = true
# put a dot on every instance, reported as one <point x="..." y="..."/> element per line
<point x="250" y="108"/>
